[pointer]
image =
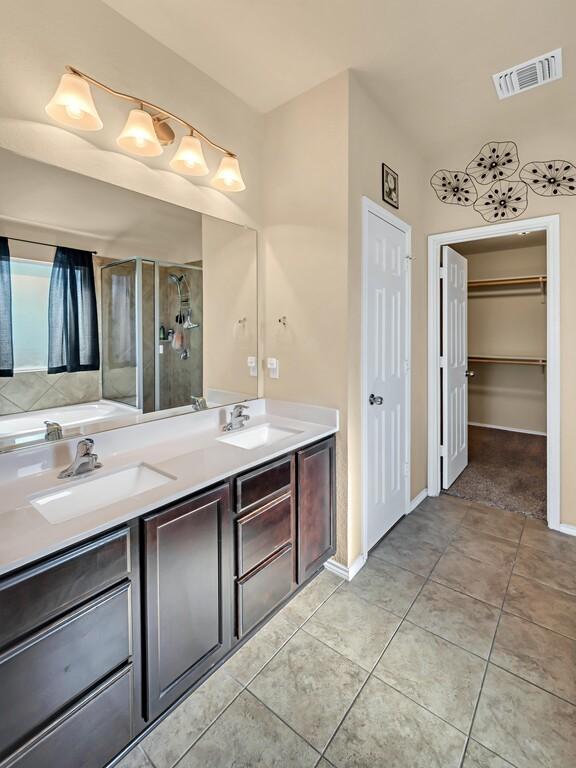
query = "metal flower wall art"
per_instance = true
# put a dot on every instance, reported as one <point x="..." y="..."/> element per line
<point x="504" y="200"/>
<point x="550" y="177"/>
<point x="507" y="198"/>
<point x="454" y="187"/>
<point x="496" y="160"/>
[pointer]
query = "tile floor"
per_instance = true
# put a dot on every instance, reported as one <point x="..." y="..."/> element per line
<point x="454" y="646"/>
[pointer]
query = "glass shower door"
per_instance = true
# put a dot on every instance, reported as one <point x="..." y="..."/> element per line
<point x="120" y="381"/>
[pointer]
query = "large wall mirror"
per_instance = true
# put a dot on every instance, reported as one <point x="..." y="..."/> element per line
<point x="116" y="307"/>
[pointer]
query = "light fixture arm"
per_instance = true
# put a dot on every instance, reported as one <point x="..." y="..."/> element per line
<point x="162" y="114"/>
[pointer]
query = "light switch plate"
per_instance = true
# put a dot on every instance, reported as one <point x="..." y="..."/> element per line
<point x="273" y="365"/>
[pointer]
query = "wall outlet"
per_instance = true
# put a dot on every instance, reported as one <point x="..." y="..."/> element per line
<point x="252" y="365"/>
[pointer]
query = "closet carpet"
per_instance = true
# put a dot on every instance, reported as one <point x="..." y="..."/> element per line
<point x="506" y="470"/>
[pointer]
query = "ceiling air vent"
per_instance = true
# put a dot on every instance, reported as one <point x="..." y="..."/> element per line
<point x="530" y="74"/>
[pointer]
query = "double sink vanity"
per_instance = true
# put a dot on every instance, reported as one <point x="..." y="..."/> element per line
<point x="123" y="587"/>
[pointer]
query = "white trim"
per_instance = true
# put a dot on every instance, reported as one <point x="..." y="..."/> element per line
<point x="550" y="225"/>
<point x="418" y="499"/>
<point x="344" y="572"/>
<point x="506" y="429"/>
<point x="570" y="530"/>
<point x="370" y="207"/>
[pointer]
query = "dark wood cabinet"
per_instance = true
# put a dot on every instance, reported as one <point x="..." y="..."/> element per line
<point x="316" y="507"/>
<point x="32" y="597"/>
<point x="98" y="641"/>
<point x="264" y="589"/>
<point x="47" y="672"/>
<point x="88" y="735"/>
<point x="188" y="586"/>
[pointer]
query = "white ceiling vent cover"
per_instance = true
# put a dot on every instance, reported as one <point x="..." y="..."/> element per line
<point x="530" y="74"/>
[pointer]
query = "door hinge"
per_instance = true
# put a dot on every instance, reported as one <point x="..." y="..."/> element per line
<point x="406" y="366"/>
<point x="406" y="468"/>
<point x="442" y="272"/>
<point x="442" y="451"/>
<point x="442" y="361"/>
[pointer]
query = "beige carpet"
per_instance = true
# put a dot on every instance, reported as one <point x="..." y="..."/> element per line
<point x="506" y="470"/>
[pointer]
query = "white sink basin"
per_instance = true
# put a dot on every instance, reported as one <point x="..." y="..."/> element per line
<point x="255" y="437"/>
<point x="79" y="497"/>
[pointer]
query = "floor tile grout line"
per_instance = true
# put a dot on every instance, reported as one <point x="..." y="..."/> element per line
<point x="445" y="639"/>
<point x="481" y="688"/>
<point x="467" y="594"/>
<point x="508" y="612"/>
<point x="371" y="673"/>
<point x="535" y="685"/>
<point x="355" y="698"/>
<point x="419" y="703"/>
<point x="205" y="730"/>
<point x="245" y="688"/>
<point x="279" y="717"/>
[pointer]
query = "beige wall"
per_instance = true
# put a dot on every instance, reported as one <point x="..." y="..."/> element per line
<point x="323" y="152"/>
<point x="439" y="217"/>
<point x="35" y="45"/>
<point x="305" y="208"/>
<point x="230" y="330"/>
<point x="510" y="321"/>
<point x="374" y="139"/>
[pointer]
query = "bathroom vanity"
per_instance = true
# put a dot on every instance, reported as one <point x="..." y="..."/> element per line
<point x="101" y="636"/>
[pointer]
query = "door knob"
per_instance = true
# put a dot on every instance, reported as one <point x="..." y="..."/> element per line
<point x="470" y="374"/>
<point x="375" y="400"/>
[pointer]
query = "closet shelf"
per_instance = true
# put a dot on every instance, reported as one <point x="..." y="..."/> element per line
<point x="504" y="281"/>
<point x="507" y="360"/>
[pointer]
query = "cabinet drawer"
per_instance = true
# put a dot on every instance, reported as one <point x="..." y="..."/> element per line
<point x="50" y="670"/>
<point x="262" y="484"/>
<point x="262" y="532"/>
<point x="43" y="592"/>
<point x="261" y="592"/>
<point x="87" y="736"/>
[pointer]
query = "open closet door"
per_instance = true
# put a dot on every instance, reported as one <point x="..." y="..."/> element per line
<point x="454" y="365"/>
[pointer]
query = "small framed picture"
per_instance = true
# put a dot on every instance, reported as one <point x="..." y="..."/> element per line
<point x="390" y="186"/>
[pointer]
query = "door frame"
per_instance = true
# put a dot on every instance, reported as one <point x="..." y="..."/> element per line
<point x="370" y="207"/>
<point x="551" y="226"/>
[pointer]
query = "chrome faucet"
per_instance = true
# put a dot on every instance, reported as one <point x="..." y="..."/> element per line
<point x="53" y="431"/>
<point x="84" y="461"/>
<point x="237" y="418"/>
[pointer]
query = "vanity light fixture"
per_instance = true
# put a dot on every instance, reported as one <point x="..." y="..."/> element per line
<point x="72" y="104"/>
<point x="189" y="158"/>
<point x="228" y="177"/>
<point x="146" y="132"/>
<point x="138" y="136"/>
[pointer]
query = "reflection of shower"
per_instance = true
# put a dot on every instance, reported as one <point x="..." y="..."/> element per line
<point x="184" y="316"/>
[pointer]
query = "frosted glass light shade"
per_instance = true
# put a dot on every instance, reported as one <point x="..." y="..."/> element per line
<point x="72" y="104"/>
<point x="189" y="158"/>
<point x="228" y="177"/>
<point x="138" y="136"/>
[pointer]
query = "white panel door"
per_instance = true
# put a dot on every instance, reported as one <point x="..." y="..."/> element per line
<point x="455" y="363"/>
<point x="387" y="369"/>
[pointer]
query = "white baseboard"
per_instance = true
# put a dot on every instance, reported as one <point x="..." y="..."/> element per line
<point x="506" y="429"/>
<point x="569" y="529"/>
<point x="343" y="571"/>
<point x="418" y="499"/>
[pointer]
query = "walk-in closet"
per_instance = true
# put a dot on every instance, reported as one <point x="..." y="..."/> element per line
<point x="506" y="332"/>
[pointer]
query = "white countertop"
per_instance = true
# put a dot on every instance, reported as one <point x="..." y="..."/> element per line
<point x="185" y="447"/>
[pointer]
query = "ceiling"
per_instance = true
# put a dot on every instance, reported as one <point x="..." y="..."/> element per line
<point x="504" y="243"/>
<point x="428" y="62"/>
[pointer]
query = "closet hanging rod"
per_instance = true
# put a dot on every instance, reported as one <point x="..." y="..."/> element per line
<point x="507" y="360"/>
<point x="525" y="280"/>
<point x="37" y="242"/>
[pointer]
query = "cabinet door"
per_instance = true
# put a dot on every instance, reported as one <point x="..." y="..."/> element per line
<point x="188" y="550"/>
<point x="316" y="507"/>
